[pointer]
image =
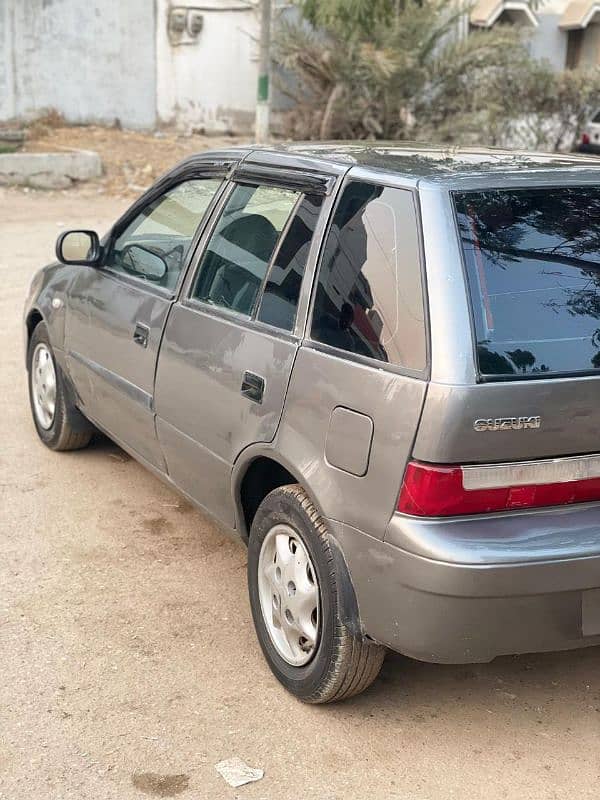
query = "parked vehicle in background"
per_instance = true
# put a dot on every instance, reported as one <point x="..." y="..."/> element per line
<point x="590" y="136"/>
<point x="379" y="365"/>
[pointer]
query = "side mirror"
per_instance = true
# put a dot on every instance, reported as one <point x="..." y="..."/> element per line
<point x="78" y="247"/>
<point x="142" y="261"/>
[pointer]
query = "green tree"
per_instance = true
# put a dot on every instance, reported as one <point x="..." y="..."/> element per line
<point x="350" y="17"/>
<point x="521" y="359"/>
<point x="397" y="69"/>
<point x="387" y="69"/>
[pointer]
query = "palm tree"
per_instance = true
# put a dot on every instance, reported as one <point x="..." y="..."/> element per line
<point x="393" y="68"/>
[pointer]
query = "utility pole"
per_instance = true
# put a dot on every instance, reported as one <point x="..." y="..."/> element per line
<point x="263" y="95"/>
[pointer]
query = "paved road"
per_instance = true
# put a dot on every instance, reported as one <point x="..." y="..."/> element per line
<point x="126" y="644"/>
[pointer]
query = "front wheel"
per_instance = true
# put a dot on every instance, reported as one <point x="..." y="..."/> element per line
<point x="294" y="595"/>
<point x="60" y="425"/>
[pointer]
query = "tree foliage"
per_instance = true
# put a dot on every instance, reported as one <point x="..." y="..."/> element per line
<point x="397" y="69"/>
<point x="349" y="18"/>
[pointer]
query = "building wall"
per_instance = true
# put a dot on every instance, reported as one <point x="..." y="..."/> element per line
<point x="590" y="51"/>
<point x="548" y="41"/>
<point x="91" y="60"/>
<point x="209" y="83"/>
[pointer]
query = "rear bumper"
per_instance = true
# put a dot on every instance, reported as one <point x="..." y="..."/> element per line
<point x="439" y="609"/>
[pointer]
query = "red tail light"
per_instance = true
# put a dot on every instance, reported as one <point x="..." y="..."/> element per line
<point x="585" y="138"/>
<point x="430" y="490"/>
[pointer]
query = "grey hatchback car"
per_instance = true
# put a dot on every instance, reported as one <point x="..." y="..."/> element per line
<point x="378" y="364"/>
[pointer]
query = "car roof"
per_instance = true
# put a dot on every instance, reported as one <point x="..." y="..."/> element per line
<point x="452" y="166"/>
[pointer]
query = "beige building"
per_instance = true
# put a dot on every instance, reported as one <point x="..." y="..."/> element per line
<point x="565" y="32"/>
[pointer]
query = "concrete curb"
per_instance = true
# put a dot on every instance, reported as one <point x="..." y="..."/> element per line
<point x="49" y="170"/>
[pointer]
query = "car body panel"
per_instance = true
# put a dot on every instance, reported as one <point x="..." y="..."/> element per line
<point x="114" y="375"/>
<point x="48" y="297"/>
<point x="321" y="382"/>
<point x="452" y="613"/>
<point x="198" y="396"/>
<point x="524" y="536"/>
<point x="567" y="408"/>
<point x="451" y="355"/>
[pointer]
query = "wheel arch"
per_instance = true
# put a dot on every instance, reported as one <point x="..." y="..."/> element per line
<point x="254" y="465"/>
<point x="33" y="319"/>
<point x="253" y="478"/>
<point x="257" y="471"/>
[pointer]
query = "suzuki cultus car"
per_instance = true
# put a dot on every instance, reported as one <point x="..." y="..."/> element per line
<point x="380" y="365"/>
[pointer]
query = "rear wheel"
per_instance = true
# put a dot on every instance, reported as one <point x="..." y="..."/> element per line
<point x="60" y="425"/>
<point x="294" y="594"/>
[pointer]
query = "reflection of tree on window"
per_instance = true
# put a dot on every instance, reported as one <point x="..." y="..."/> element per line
<point x="492" y="363"/>
<point x="521" y="359"/>
<point x="533" y="260"/>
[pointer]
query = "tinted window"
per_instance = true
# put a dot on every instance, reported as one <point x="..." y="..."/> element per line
<point x="369" y="298"/>
<point x="237" y="256"/>
<point x="154" y="245"/>
<point x="282" y="290"/>
<point x="533" y="265"/>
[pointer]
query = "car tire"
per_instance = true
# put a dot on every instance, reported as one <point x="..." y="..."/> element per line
<point x="59" y="423"/>
<point x="338" y="664"/>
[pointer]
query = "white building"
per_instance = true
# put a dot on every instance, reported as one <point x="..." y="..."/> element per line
<point x="565" y="32"/>
<point x="144" y="62"/>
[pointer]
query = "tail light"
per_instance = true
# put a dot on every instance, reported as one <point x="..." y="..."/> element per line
<point x="431" y="490"/>
<point x="585" y="138"/>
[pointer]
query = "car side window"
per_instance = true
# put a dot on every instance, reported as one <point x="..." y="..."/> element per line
<point x="154" y="245"/>
<point x="369" y="298"/>
<point x="237" y="256"/>
<point x="279" y="301"/>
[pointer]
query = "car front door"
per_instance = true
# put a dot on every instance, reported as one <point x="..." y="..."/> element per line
<point x="230" y="342"/>
<point x="117" y="312"/>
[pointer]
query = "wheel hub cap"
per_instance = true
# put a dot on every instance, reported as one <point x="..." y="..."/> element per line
<point x="289" y="595"/>
<point x="43" y="386"/>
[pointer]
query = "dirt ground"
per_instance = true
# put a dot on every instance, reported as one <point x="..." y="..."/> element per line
<point x="129" y="665"/>
<point x="132" y="160"/>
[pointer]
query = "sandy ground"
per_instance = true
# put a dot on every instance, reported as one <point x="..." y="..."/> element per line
<point x="126" y="644"/>
<point x="132" y="160"/>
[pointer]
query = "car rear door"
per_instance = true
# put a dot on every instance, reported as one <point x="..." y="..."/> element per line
<point x="117" y="312"/>
<point x="360" y="378"/>
<point x="231" y="340"/>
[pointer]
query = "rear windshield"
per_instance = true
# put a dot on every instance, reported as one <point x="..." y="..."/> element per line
<point x="533" y="268"/>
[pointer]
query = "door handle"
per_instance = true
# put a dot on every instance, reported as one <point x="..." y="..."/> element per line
<point x="253" y="387"/>
<point x="140" y="334"/>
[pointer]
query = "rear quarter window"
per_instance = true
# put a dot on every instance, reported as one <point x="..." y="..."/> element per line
<point x="369" y="298"/>
<point x="532" y="258"/>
